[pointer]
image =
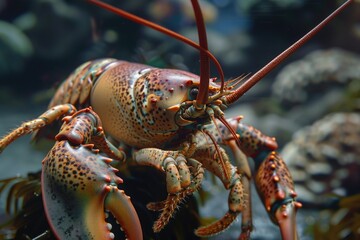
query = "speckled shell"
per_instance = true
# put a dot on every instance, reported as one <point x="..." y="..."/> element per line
<point x="77" y="87"/>
<point x="274" y="183"/>
<point x="132" y="101"/>
<point x="72" y="182"/>
<point x="136" y="103"/>
<point x="78" y="183"/>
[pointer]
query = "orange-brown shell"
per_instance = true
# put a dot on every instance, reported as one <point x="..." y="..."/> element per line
<point x="132" y="101"/>
<point x="136" y="103"/>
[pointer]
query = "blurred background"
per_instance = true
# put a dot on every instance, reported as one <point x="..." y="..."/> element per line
<point x="310" y="103"/>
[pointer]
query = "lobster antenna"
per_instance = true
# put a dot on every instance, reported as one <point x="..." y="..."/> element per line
<point x="203" y="94"/>
<point x="161" y="29"/>
<point x="281" y="57"/>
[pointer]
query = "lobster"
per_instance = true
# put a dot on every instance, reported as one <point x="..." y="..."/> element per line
<point x="171" y="120"/>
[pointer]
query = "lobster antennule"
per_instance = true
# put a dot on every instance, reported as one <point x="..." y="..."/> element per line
<point x="282" y="56"/>
<point x="164" y="30"/>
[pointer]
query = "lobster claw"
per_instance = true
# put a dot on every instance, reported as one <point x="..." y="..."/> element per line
<point x="276" y="190"/>
<point x="77" y="186"/>
<point x="122" y="209"/>
<point x="285" y="216"/>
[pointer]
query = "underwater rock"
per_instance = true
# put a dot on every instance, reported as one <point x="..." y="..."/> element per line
<point x="324" y="81"/>
<point x="309" y="78"/>
<point x="340" y="222"/>
<point x="324" y="158"/>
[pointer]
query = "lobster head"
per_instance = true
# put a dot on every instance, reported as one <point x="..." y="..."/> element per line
<point x="193" y="94"/>
<point x="179" y="96"/>
<point x="197" y="98"/>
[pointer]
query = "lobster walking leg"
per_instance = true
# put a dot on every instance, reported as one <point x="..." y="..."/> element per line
<point x="217" y="161"/>
<point x="171" y="162"/>
<point x="44" y="119"/>
<point x="272" y="178"/>
<point x="244" y="168"/>
<point x="170" y="204"/>
<point x="181" y="180"/>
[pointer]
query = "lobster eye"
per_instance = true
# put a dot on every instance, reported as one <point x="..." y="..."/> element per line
<point x="193" y="93"/>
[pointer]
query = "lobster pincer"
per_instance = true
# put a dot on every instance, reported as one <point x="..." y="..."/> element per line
<point x="273" y="180"/>
<point x="79" y="184"/>
<point x="276" y="189"/>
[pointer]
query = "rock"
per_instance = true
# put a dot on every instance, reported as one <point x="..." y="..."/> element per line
<point x="324" y="158"/>
<point x="309" y="78"/>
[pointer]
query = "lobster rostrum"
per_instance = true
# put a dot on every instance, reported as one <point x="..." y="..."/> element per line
<point x="173" y="121"/>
